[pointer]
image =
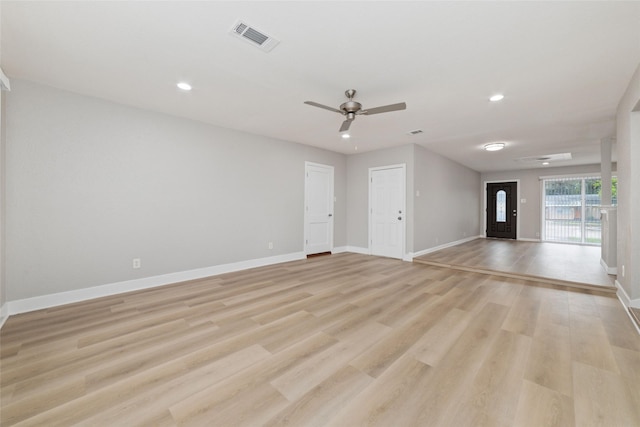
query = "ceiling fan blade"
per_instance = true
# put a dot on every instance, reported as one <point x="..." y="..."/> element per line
<point x="315" y="104"/>
<point x="384" y="109"/>
<point x="345" y="126"/>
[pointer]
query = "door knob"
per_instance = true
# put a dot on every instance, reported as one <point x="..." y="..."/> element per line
<point x="330" y="214"/>
<point x="399" y="217"/>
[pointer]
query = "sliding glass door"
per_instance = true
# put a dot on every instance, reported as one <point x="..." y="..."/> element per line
<point x="572" y="210"/>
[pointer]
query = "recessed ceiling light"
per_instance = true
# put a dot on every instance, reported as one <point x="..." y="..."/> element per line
<point x="346" y="136"/>
<point x="494" y="146"/>
<point x="184" y="86"/>
<point x="545" y="163"/>
<point x="496" y="97"/>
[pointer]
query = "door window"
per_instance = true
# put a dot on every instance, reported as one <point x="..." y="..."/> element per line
<point x="501" y="206"/>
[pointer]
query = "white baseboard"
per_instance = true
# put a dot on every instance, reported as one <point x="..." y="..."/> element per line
<point x="4" y="314"/>
<point x="53" y="300"/>
<point x="357" y="250"/>
<point x="446" y="245"/>
<point x="609" y="270"/>
<point x="624" y="297"/>
<point x="627" y="302"/>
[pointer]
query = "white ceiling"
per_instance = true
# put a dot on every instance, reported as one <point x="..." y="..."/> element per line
<point x="562" y="66"/>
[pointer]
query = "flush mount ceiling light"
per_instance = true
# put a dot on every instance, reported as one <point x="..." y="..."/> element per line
<point x="497" y="97"/>
<point x="494" y="146"/>
<point x="545" y="163"/>
<point x="184" y="86"/>
<point x="346" y="136"/>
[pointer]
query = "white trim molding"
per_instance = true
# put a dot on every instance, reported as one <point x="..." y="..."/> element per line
<point x="622" y="295"/>
<point x="444" y="246"/>
<point x="609" y="270"/>
<point x="627" y="302"/>
<point x="53" y="300"/>
<point x="4" y="314"/>
<point x="5" y="84"/>
<point x="526" y="239"/>
<point x="355" y="250"/>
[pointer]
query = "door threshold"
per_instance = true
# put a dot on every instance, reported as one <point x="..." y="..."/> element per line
<point x="318" y="254"/>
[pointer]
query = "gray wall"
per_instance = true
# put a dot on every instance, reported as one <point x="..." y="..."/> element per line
<point x="530" y="212"/>
<point x="441" y="182"/>
<point x="92" y="184"/>
<point x="358" y="191"/>
<point x="628" y="149"/>
<point x="449" y="199"/>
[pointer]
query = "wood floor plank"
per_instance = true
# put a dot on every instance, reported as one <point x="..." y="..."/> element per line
<point x="601" y="398"/>
<point x="496" y="387"/>
<point x="541" y="407"/>
<point x="549" y="363"/>
<point x="590" y="344"/>
<point x="294" y="383"/>
<point x="343" y="340"/>
<point x="139" y="409"/>
<point x="320" y="404"/>
<point x="391" y="400"/>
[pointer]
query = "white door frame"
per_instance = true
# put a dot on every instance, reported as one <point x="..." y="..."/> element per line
<point x="403" y="227"/>
<point x="308" y="164"/>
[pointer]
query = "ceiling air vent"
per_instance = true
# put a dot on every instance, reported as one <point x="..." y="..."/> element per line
<point x="253" y="36"/>
<point x="415" y="132"/>
<point x="545" y="158"/>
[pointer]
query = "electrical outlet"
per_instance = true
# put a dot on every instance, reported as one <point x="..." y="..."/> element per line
<point x="136" y="263"/>
<point x="270" y="245"/>
<point x="622" y="270"/>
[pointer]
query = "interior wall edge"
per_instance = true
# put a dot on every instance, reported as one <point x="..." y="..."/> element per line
<point x="4" y="314"/>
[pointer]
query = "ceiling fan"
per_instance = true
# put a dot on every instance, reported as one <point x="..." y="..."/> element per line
<point x="351" y="109"/>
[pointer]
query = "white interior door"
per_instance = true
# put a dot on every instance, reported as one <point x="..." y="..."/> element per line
<point x="318" y="209"/>
<point x="387" y="211"/>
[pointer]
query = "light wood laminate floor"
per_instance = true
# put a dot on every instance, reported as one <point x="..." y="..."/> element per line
<point x="571" y="265"/>
<point x="340" y="340"/>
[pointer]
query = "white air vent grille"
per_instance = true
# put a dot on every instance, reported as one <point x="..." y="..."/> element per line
<point x="415" y="132"/>
<point x="255" y="37"/>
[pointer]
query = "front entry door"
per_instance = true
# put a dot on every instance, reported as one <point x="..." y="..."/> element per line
<point x="501" y="209"/>
<point x="318" y="208"/>
<point x="387" y="215"/>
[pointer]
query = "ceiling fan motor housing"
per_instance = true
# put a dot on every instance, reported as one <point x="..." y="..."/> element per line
<point x="351" y="107"/>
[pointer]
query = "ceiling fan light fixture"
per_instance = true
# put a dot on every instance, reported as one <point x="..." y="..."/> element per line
<point x="494" y="146"/>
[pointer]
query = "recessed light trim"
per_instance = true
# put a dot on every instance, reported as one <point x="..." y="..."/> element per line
<point x="345" y="136"/>
<point x="545" y="163"/>
<point x="494" y="146"/>
<point x="497" y="97"/>
<point x="184" y="86"/>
